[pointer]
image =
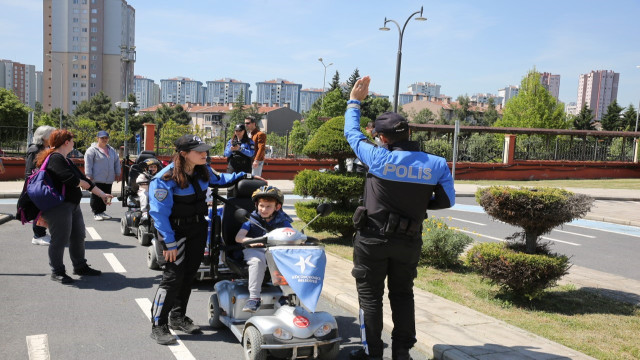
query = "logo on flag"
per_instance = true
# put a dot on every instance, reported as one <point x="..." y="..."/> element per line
<point x="303" y="268"/>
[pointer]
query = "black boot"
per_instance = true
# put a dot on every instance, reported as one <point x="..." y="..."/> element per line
<point x="161" y="334"/>
<point x="361" y="355"/>
<point x="184" y="323"/>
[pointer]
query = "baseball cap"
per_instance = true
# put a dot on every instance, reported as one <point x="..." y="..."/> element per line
<point x="391" y="122"/>
<point x="191" y="142"/>
<point x="103" y="133"/>
<point x="240" y="127"/>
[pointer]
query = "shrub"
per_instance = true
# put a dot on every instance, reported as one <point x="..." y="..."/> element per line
<point x="439" y="147"/>
<point x="523" y="275"/>
<point x="338" y="222"/>
<point x="536" y="210"/>
<point x="441" y="246"/>
<point x="329" y="142"/>
<point x="343" y="188"/>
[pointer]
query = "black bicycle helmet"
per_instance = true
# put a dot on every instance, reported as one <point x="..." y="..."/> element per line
<point x="268" y="191"/>
<point x="152" y="161"/>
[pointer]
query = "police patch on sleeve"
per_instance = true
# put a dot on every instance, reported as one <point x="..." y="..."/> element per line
<point x="160" y="194"/>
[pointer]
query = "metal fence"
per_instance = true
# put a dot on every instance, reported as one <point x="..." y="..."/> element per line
<point x="13" y="141"/>
<point x="608" y="149"/>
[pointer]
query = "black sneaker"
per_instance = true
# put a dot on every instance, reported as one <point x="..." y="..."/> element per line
<point x="62" y="278"/>
<point x="87" y="271"/>
<point x="161" y="334"/>
<point x="185" y="324"/>
<point x="361" y="355"/>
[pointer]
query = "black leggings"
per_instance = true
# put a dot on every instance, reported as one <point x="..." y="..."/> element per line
<point x="97" y="205"/>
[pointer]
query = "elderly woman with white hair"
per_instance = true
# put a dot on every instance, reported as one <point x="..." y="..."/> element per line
<point x="40" y="142"/>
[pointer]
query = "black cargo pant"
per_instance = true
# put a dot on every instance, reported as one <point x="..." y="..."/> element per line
<point x="97" y="204"/>
<point x="175" y="287"/>
<point x="375" y="259"/>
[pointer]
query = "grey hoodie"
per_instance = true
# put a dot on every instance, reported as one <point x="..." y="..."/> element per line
<point x="99" y="167"/>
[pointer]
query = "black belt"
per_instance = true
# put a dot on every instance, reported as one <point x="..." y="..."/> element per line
<point x="187" y="220"/>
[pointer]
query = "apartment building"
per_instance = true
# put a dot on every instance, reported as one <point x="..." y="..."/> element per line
<point x="21" y="79"/>
<point x="597" y="90"/>
<point x="181" y="90"/>
<point x="426" y="88"/>
<point x="308" y="97"/>
<point x="551" y="83"/>
<point x="89" y="46"/>
<point x="483" y="98"/>
<point x="508" y="93"/>
<point x="280" y="93"/>
<point x="147" y="92"/>
<point x="227" y="91"/>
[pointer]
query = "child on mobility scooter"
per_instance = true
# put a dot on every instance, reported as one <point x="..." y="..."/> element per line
<point x="268" y="201"/>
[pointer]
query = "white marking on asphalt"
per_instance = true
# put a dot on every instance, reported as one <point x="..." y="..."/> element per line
<point x="576" y="234"/>
<point x="560" y="241"/>
<point x="481" y="235"/>
<point x="38" y="347"/>
<point x="115" y="264"/>
<point x="179" y="350"/>
<point x="601" y="229"/>
<point x="94" y="234"/>
<point x="468" y="221"/>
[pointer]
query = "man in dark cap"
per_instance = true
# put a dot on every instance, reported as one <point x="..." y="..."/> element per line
<point x="401" y="184"/>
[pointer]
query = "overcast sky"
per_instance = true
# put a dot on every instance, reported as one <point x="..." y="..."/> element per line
<point x="465" y="46"/>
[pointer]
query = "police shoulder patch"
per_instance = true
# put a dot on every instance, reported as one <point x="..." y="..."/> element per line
<point x="160" y="194"/>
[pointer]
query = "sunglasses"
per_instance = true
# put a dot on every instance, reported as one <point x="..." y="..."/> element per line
<point x="247" y="123"/>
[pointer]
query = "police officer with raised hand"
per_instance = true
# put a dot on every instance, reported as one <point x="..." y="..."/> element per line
<point x="177" y="201"/>
<point x="401" y="184"/>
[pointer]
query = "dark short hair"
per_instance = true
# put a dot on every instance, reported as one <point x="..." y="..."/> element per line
<point x="250" y="118"/>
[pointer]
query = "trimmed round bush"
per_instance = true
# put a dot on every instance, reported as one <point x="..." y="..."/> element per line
<point x="441" y="246"/>
<point x="339" y="222"/>
<point x="523" y="275"/>
<point x="536" y="210"/>
<point x="342" y="188"/>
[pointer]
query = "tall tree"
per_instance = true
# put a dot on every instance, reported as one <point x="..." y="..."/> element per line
<point x="180" y="115"/>
<point x="12" y="111"/>
<point x="584" y="119"/>
<point x="462" y="111"/>
<point x="238" y="113"/>
<point x="374" y="107"/>
<point x="298" y="138"/>
<point x="97" y="109"/>
<point x="611" y="121"/>
<point x="335" y="82"/>
<point x="351" y="82"/>
<point x="629" y="118"/>
<point x="534" y="107"/>
<point x="490" y="115"/>
<point x="424" y="116"/>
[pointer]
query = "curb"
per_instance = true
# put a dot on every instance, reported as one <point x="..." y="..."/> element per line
<point x="5" y="218"/>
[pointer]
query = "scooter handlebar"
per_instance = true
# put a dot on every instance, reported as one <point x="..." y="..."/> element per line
<point x="258" y="240"/>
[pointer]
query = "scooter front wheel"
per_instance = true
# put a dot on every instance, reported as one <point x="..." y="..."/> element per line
<point x="252" y="343"/>
<point x="329" y="351"/>
<point x="214" y="311"/>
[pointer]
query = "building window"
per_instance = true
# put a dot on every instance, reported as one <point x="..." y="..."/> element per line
<point x="94" y="20"/>
<point x="94" y="11"/>
<point x="94" y="29"/>
<point x="94" y="38"/>
<point x="75" y="66"/>
<point x="93" y="76"/>
<point x="94" y="57"/>
<point x="74" y="102"/>
<point x="93" y="85"/>
<point x="76" y="29"/>
<point x="84" y="57"/>
<point x="83" y="67"/>
<point x="84" y="29"/>
<point x="75" y="75"/>
<point x="94" y="48"/>
<point x="75" y="20"/>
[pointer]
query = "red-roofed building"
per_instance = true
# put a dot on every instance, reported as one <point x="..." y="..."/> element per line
<point x="444" y="104"/>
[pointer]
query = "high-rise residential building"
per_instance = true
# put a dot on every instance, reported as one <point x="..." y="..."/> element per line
<point x="571" y="109"/>
<point x="425" y="88"/>
<point x="551" y="83"/>
<point x="227" y="91"/>
<point x="508" y="93"/>
<point x="181" y="90"/>
<point x="308" y="97"/>
<point x="144" y="89"/>
<point x="39" y="82"/>
<point x="483" y="98"/>
<point x="89" y="46"/>
<point x="597" y="89"/>
<point x="279" y="92"/>
<point x="21" y="79"/>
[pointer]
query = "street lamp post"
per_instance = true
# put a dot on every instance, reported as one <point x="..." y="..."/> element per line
<point x="61" y="82"/>
<point x="324" y="81"/>
<point x="399" y="60"/>
<point x="638" y="109"/>
<point x="128" y="55"/>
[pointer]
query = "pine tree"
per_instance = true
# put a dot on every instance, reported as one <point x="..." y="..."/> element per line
<point x="584" y="119"/>
<point x="611" y="121"/>
<point x="335" y="82"/>
<point x="351" y="82"/>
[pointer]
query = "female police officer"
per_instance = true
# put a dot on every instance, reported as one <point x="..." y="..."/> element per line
<point x="177" y="200"/>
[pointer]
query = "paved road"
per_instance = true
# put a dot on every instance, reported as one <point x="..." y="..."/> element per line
<point x="102" y="317"/>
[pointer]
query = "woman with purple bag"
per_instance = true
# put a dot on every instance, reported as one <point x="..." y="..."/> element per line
<point x="65" y="221"/>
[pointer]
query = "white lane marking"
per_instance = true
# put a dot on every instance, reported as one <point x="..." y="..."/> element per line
<point x="576" y="234"/>
<point x="601" y="229"/>
<point x="38" y="347"/>
<point x="179" y="350"/>
<point x="115" y="264"/>
<point x="94" y="234"/>
<point x="480" y="235"/>
<point x="470" y="222"/>
<point x="560" y="241"/>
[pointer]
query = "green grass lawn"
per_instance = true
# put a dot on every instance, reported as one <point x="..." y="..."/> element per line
<point x="632" y="184"/>
<point x="579" y="319"/>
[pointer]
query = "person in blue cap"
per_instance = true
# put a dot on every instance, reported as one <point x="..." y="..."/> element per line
<point x="178" y="206"/>
<point x="402" y="182"/>
<point x="102" y="166"/>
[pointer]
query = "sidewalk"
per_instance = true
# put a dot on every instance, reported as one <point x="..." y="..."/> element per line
<point x="449" y="331"/>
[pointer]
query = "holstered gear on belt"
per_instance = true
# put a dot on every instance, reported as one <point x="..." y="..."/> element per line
<point x="395" y="225"/>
